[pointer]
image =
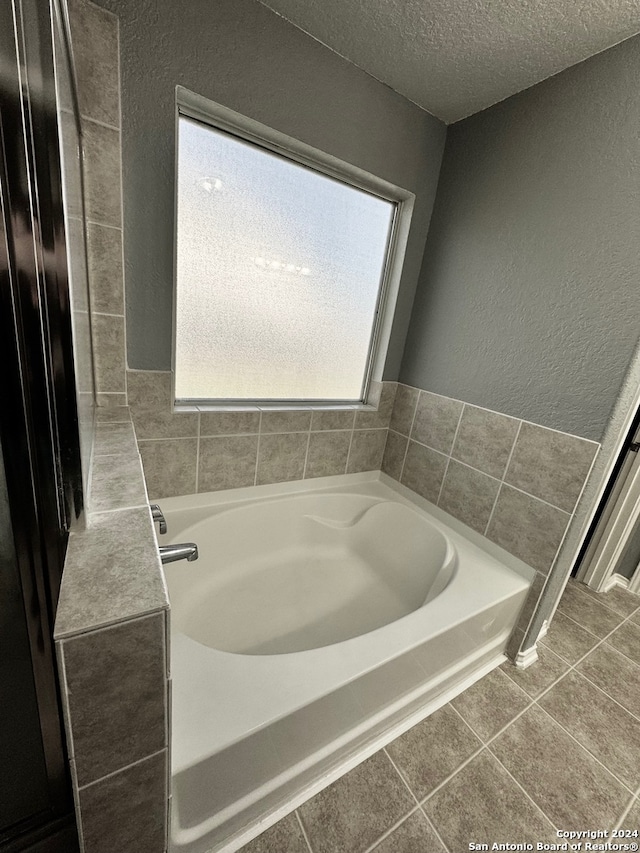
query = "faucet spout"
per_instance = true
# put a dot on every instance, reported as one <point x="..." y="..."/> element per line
<point x="185" y="551"/>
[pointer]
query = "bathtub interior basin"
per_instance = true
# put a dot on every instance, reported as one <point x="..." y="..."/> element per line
<point x="306" y="571"/>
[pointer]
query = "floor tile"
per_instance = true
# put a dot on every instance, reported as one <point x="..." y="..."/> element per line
<point x="415" y="835"/>
<point x="283" y="837"/>
<point x="627" y="640"/>
<point x="588" y="612"/>
<point x="482" y="804"/>
<point x="567" y="639"/>
<point x="614" y="673"/>
<point x="491" y="703"/>
<point x="618" y="599"/>
<point x="535" y="679"/>
<point x="356" y="810"/>
<point x="632" y="820"/>
<point x="599" y="724"/>
<point x="432" y="750"/>
<point x="568" y="784"/>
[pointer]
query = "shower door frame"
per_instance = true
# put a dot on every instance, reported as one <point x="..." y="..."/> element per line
<point x="618" y="519"/>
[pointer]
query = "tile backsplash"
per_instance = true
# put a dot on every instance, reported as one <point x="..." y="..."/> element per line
<point x="513" y="481"/>
<point x="203" y="450"/>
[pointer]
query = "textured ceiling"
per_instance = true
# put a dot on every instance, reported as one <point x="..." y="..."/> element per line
<point x="455" y="57"/>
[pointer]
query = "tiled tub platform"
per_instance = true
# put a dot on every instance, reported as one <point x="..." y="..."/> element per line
<point x="111" y="630"/>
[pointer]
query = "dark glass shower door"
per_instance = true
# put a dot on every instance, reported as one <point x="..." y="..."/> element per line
<point x="40" y="480"/>
<point x="24" y="790"/>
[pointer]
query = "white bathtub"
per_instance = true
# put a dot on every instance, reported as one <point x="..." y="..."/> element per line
<point x="322" y="619"/>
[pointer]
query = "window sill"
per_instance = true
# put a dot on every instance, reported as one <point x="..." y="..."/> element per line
<point x="179" y="408"/>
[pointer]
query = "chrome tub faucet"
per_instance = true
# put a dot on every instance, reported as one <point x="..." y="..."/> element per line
<point x="158" y="516"/>
<point x="185" y="551"/>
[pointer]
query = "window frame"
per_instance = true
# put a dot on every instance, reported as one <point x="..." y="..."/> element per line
<point x="198" y="108"/>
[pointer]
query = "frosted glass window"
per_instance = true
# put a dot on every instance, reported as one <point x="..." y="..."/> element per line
<point x="279" y="271"/>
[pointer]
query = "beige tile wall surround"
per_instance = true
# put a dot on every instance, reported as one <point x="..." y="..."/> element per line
<point x="515" y="482"/>
<point x="111" y="641"/>
<point x="95" y="46"/>
<point x="208" y="448"/>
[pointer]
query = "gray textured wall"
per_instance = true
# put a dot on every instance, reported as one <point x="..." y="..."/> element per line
<point x="242" y="55"/>
<point x="529" y="295"/>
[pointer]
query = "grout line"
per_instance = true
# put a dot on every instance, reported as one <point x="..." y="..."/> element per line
<point x="122" y="769"/>
<point x="433" y="827"/>
<point x="530" y="703"/>
<point x="504" y="474"/>
<point x="388" y="832"/>
<point x="113" y="228"/>
<point x="350" y="446"/>
<point x="66" y="709"/>
<point x="535" y="498"/>
<point x="304" y="832"/>
<point x="402" y="779"/>
<point x="107" y="314"/>
<point x="444" y="477"/>
<point x="585" y="748"/>
<point x="609" y="697"/>
<point x="446" y="469"/>
<point x="455" y="435"/>
<point x="511" y="452"/>
<point x="448" y="778"/>
<point x="173" y="438"/>
<point x="198" y="455"/>
<point x="455" y="710"/>
<point x="572" y="516"/>
<point x="84" y="118"/>
<point x="524" y="791"/>
<point x="113" y="623"/>
<point x="635" y="799"/>
<point x="216" y="435"/>
<point x="493" y="509"/>
<point x="619" y="651"/>
<point x="255" y="476"/>
<point x="413" y="420"/>
<point x="306" y="453"/>
<point x="404" y="817"/>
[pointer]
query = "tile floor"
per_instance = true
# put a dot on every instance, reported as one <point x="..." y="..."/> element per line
<point x="514" y="758"/>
